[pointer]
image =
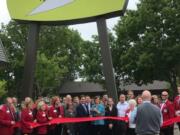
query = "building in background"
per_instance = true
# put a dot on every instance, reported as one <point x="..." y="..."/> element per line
<point x="3" y="56"/>
<point x="82" y="88"/>
<point x="93" y="89"/>
<point x="156" y="87"/>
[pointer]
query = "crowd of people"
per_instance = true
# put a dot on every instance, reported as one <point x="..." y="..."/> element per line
<point x="146" y="114"/>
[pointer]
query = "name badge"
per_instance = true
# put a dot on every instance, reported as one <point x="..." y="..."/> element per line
<point x="44" y="115"/>
<point x="30" y="113"/>
<point x="55" y="111"/>
<point x="165" y="110"/>
<point x="7" y="111"/>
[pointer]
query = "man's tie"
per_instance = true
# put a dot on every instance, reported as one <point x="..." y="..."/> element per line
<point x="87" y="108"/>
<point x="84" y="106"/>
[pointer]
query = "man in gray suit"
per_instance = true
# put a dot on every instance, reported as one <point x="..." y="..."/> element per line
<point x="149" y="117"/>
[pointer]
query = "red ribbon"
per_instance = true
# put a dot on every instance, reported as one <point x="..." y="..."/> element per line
<point x="86" y="119"/>
<point x="171" y="121"/>
<point x="76" y="120"/>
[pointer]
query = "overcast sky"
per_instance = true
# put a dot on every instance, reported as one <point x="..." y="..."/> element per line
<point x="86" y="30"/>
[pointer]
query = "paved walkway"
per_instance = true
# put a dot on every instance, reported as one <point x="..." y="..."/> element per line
<point x="176" y="130"/>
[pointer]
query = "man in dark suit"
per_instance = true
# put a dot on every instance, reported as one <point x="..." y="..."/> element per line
<point x="149" y="117"/>
<point x="89" y="107"/>
<point x="89" y="104"/>
<point x="82" y="111"/>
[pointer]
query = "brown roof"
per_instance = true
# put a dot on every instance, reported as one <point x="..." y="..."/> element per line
<point x="3" y="57"/>
<point x="88" y="87"/>
<point x="81" y="87"/>
<point x="156" y="85"/>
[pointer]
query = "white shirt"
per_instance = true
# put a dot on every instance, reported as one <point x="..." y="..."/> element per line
<point x="122" y="108"/>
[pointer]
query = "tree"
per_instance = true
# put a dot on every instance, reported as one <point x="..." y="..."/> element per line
<point x="14" y="39"/>
<point x="58" y="59"/>
<point x="148" y="42"/>
<point x="49" y="74"/>
<point x="91" y="69"/>
<point x="61" y="41"/>
<point x="92" y="66"/>
<point x="2" y="88"/>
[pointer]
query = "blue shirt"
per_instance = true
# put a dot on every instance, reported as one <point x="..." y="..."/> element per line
<point x="101" y="109"/>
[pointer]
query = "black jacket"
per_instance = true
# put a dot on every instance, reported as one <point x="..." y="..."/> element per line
<point x="113" y="112"/>
<point x="81" y="111"/>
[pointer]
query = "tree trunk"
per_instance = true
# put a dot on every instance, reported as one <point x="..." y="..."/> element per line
<point x="173" y="82"/>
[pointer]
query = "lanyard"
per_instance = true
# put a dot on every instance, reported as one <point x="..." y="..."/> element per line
<point x="12" y="114"/>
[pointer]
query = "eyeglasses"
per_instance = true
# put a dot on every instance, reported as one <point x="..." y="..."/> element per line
<point x="164" y="95"/>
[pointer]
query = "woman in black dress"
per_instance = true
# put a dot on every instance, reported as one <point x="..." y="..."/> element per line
<point x="111" y="110"/>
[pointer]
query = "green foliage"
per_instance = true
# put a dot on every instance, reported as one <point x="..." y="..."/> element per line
<point x="148" y="42"/>
<point x="2" y="89"/>
<point x="92" y="66"/>
<point x="62" y="42"/>
<point x="58" y="60"/>
<point x="91" y="69"/>
<point x="49" y="74"/>
<point x="14" y="38"/>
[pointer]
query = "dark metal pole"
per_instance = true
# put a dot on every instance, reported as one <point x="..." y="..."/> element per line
<point x="107" y="59"/>
<point x="30" y="60"/>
